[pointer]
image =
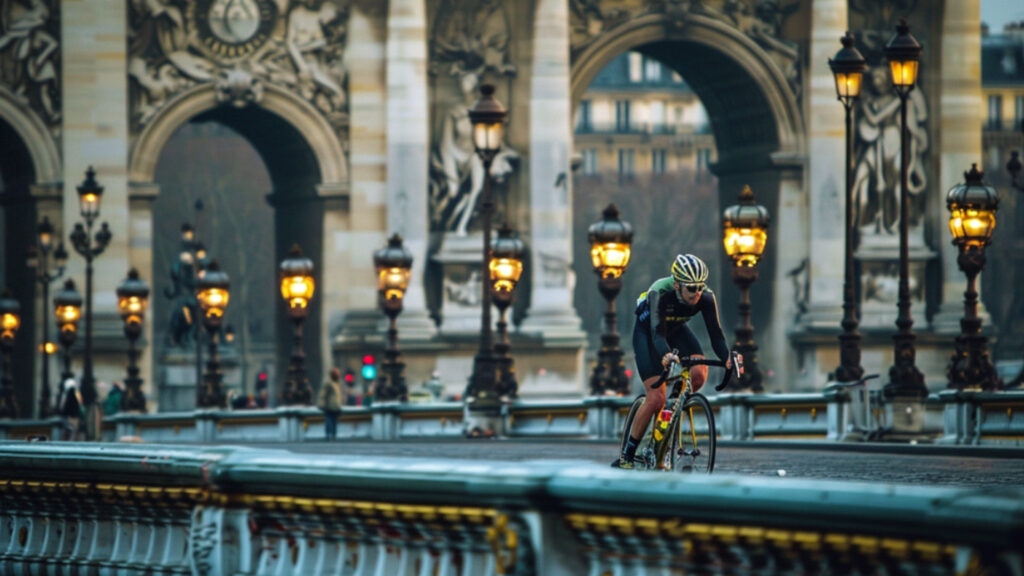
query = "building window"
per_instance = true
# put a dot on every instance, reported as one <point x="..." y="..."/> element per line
<point x="622" y="116"/>
<point x="625" y="163"/>
<point x="636" y="70"/>
<point x="652" y="70"/>
<point x="995" y="111"/>
<point x="583" y="119"/>
<point x="658" y="161"/>
<point x="1018" y="105"/>
<point x="589" y="161"/>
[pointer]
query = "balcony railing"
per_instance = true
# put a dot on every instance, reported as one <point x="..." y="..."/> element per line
<point x="1003" y="125"/>
<point x="652" y="128"/>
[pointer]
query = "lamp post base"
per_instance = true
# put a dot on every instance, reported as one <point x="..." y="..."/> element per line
<point x="483" y="405"/>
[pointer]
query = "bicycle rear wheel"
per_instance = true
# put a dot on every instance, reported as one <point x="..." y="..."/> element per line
<point x="640" y="460"/>
<point x="695" y="440"/>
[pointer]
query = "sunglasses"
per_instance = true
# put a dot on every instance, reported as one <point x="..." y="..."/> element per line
<point x="693" y="288"/>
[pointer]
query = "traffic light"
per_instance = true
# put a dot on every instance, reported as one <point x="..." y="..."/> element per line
<point x="369" y="367"/>
<point x="350" y="377"/>
<point x="261" y="380"/>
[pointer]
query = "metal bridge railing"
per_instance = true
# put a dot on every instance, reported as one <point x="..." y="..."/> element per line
<point x="74" y="508"/>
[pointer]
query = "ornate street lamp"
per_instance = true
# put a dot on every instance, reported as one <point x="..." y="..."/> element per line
<point x="67" y="304"/>
<point x="745" y="232"/>
<point x="972" y="218"/>
<point x="905" y="380"/>
<point x="10" y="320"/>
<point x="848" y="68"/>
<point x="488" y="118"/>
<point x="89" y="195"/>
<point x="297" y="286"/>
<point x="505" y="269"/>
<point x="213" y="295"/>
<point x="184" y="275"/>
<point x="394" y="265"/>
<point x="609" y="252"/>
<point x="39" y="259"/>
<point x="132" y="297"/>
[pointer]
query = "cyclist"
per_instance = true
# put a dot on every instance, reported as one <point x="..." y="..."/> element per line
<point x="661" y="316"/>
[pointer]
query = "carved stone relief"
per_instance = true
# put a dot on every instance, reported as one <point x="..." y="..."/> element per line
<point x="877" y="129"/>
<point x="30" y="56"/>
<point x="240" y="46"/>
<point x="468" y="43"/>
<point x="760" y="20"/>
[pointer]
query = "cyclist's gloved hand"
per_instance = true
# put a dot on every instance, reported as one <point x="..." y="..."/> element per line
<point x="667" y="359"/>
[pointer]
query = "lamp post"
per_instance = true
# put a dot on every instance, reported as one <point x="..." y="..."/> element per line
<point x="905" y="380"/>
<point x="848" y="68"/>
<point x="505" y="270"/>
<point x="67" y="304"/>
<point x="213" y="293"/>
<point x="745" y="232"/>
<point x="609" y="252"/>
<point x="972" y="218"/>
<point x="394" y="265"/>
<point x="89" y="195"/>
<point x="488" y="118"/>
<point x="297" y="286"/>
<point x="10" y="320"/>
<point x="39" y="258"/>
<point x="132" y="297"/>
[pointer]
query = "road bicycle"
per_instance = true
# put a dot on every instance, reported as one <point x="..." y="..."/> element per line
<point x="681" y="437"/>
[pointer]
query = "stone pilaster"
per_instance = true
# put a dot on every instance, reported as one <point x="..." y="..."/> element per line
<point x="95" y="103"/>
<point x="140" y="257"/>
<point x="408" y="149"/>
<point x="552" y="315"/>
<point x="961" y="115"/>
<point x="826" y="145"/>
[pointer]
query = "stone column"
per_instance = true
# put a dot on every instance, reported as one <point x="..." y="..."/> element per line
<point x="95" y="100"/>
<point x="827" y="168"/>
<point x="408" y="149"/>
<point x="140" y="257"/>
<point x="552" y="315"/>
<point x="960" y="115"/>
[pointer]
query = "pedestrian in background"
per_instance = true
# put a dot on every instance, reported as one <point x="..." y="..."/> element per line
<point x="329" y="401"/>
<point x="72" y="410"/>
<point x="112" y="403"/>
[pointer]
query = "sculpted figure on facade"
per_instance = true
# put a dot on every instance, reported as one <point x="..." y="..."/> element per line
<point x="877" y="169"/>
<point x="30" y="55"/>
<point x="242" y="46"/>
<point x="457" y="173"/>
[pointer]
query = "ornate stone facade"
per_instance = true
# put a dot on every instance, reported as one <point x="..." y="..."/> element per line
<point x="30" y="57"/>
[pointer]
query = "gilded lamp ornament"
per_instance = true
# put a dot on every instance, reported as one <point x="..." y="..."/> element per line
<point x="972" y="219"/>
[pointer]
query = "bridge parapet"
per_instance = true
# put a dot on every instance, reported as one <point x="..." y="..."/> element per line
<point x="838" y="414"/>
<point x="74" y="508"/>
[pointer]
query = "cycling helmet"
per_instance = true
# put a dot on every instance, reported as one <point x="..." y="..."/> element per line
<point x="688" y="269"/>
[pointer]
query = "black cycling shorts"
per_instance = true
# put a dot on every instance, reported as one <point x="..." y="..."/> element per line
<point x="648" y="360"/>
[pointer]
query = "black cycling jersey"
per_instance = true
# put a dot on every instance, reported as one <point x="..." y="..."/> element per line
<point x="661" y="312"/>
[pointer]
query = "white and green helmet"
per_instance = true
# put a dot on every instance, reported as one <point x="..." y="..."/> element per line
<point x="688" y="269"/>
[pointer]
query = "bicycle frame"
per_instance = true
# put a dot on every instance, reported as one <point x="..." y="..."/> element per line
<point x="659" y="445"/>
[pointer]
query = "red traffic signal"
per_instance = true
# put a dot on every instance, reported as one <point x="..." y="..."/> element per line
<point x="350" y="377"/>
<point x="368" y="359"/>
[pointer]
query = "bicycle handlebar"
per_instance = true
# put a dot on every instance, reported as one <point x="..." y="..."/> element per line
<point x="690" y="361"/>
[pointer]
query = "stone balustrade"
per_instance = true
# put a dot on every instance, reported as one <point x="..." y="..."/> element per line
<point x="130" y="509"/>
<point x="846" y="414"/>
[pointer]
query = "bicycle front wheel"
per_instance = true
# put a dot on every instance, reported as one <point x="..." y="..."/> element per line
<point x="695" y="440"/>
<point x="628" y="424"/>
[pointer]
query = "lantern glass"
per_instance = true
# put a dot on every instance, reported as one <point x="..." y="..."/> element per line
<point x="297" y="290"/>
<point x="90" y="205"/>
<point x="971" y="228"/>
<point x="46" y="240"/>
<point x="610" y="258"/>
<point x="213" y="300"/>
<point x="848" y="85"/>
<point x="131" y="306"/>
<point x="745" y="245"/>
<point x="10" y="322"/>
<point x="904" y="73"/>
<point x="68" y="315"/>
<point x="392" y="281"/>
<point x="505" y="273"/>
<point x="487" y="136"/>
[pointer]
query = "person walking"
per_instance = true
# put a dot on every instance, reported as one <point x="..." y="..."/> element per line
<point x="72" y="410"/>
<point x="329" y="400"/>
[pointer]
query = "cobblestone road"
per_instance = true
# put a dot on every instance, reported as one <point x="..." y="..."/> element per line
<point x="873" y="466"/>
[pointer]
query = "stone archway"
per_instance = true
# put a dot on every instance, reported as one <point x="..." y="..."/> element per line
<point x="307" y="165"/>
<point x="755" y="113"/>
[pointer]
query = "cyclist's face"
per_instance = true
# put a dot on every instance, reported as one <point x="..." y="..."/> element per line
<point x="689" y="293"/>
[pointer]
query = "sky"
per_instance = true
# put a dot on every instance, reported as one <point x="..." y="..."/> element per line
<point x="997" y="13"/>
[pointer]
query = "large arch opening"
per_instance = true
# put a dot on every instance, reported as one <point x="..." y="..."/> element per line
<point x="257" y="176"/>
<point x="756" y="125"/>
<point x="17" y="233"/>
